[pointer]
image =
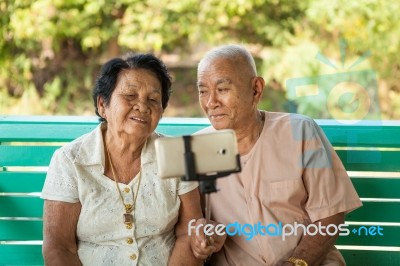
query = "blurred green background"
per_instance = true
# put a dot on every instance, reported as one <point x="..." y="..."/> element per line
<point x="51" y="51"/>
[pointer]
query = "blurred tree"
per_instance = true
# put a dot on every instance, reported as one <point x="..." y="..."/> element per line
<point x="368" y="26"/>
<point x="52" y="49"/>
<point x="55" y="47"/>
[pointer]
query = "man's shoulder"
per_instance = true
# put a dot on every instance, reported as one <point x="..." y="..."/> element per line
<point x="292" y="118"/>
<point x="287" y="116"/>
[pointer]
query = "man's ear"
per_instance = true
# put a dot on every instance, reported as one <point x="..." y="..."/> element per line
<point x="258" y="88"/>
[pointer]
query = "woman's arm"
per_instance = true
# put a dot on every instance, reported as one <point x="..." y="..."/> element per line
<point x="190" y="209"/>
<point x="59" y="226"/>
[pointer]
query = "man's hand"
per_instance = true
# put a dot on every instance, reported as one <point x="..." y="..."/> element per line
<point x="203" y="245"/>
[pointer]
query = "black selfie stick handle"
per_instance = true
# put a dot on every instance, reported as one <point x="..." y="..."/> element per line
<point x="207" y="184"/>
<point x="189" y="159"/>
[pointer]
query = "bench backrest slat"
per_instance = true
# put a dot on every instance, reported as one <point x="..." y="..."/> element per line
<point x="370" y="160"/>
<point x="22" y="182"/>
<point x="21" y="230"/>
<point x="21" y="254"/>
<point x="379" y="187"/>
<point x="26" y="155"/>
<point x="21" y="206"/>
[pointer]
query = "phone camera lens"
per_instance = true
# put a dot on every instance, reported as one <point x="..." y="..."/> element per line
<point x="222" y="151"/>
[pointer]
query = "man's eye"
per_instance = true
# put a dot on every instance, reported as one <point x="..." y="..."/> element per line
<point x="223" y="89"/>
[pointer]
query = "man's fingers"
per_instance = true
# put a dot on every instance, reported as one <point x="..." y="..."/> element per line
<point x="203" y="253"/>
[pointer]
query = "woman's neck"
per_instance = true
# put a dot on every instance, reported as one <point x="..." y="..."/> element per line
<point x="124" y="155"/>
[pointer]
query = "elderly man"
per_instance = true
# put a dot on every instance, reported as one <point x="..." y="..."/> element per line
<point x="290" y="174"/>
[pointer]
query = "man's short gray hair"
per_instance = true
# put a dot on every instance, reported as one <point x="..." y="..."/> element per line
<point x="233" y="52"/>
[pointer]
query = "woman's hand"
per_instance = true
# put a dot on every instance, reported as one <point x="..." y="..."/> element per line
<point x="203" y="245"/>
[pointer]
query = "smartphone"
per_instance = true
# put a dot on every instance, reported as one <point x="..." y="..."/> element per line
<point x="214" y="153"/>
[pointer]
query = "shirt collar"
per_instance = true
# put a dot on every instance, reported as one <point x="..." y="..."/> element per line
<point x="91" y="151"/>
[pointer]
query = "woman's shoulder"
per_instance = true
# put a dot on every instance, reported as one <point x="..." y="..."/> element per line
<point x="85" y="144"/>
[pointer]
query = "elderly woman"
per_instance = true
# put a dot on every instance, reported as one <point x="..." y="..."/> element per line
<point x="104" y="202"/>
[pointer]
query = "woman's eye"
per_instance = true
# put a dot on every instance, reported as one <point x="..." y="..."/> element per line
<point x="130" y="96"/>
<point x="154" y="100"/>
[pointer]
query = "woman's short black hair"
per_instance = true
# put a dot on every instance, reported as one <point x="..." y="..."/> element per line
<point x="107" y="80"/>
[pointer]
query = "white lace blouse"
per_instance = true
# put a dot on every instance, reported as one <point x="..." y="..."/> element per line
<point x="76" y="174"/>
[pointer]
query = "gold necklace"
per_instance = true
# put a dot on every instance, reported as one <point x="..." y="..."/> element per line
<point x="129" y="208"/>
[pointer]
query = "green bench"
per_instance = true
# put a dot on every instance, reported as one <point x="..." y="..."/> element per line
<point x="370" y="152"/>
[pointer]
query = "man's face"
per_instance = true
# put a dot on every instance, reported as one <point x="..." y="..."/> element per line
<point x="225" y="93"/>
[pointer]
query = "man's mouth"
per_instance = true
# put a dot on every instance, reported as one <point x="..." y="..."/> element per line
<point x="138" y="119"/>
<point x="216" y="116"/>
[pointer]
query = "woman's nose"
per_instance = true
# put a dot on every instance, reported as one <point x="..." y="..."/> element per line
<point x="141" y="106"/>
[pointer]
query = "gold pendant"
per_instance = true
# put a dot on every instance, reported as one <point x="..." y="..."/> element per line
<point x="128" y="208"/>
<point x="128" y="218"/>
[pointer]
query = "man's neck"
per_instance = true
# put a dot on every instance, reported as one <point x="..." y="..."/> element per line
<point x="248" y="135"/>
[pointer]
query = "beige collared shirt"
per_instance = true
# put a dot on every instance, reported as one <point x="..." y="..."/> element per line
<point x="76" y="174"/>
<point x="292" y="174"/>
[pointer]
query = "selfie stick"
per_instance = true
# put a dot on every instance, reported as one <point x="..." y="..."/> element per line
<point x="208" y="181"/>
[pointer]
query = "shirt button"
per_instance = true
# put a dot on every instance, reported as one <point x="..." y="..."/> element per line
<point x="133" y="257"/>
<point x="129" y="240"/>
<point x="127" y="189"/>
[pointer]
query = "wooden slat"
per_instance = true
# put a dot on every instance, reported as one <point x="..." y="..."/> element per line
<point x="18" y="206"/>
<point x="377" y="187"/>
<point x="14" y="230"/>
<point x="26" y="155"/>
<point x="371" y="258"/>
<point x="363" y="237"/>
<point x="68" y="132"/>
<point x="365" y="134"/>
<point x="43" y="132"/>
<point x="370" y="160"/>
<point x="21" y="255"/>
<point x="68" y="128"/>
<point x="20" y="182"/>
<point x="376" y="212"/>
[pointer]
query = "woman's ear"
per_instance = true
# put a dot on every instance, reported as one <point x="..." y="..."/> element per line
<point x="101" y="107"/>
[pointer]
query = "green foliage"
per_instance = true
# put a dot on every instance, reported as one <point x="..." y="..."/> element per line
<point x="367" y="26"/>
<point x="51" y="50"/>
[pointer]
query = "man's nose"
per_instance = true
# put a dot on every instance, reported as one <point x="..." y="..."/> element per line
<point x="212" y="101"/>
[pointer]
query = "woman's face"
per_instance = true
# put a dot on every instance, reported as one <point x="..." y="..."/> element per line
<point x="135" y="106"/>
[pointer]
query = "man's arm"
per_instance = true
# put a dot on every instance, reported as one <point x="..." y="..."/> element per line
<point x="59" y="243"/>
<point x="313" y="249"/>
<point x="189" y="209"/>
